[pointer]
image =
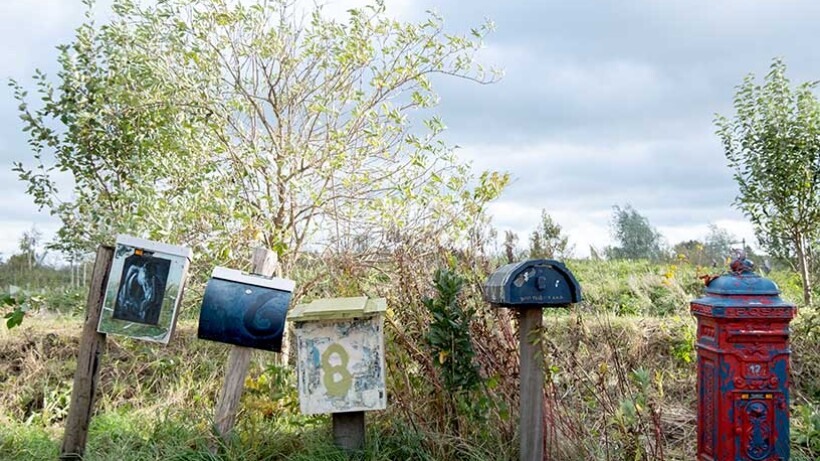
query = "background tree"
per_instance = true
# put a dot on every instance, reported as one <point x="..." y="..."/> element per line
<point x="510" y="243"/>
<point x="547" y="241"/>
<point x="719" y="244"/>
<point x="636" y="238"/>
<point x="224" y="124"/>
<point x="773" y="145"/>
<point x="712" y="250"/>
<point x="28" y="245"/>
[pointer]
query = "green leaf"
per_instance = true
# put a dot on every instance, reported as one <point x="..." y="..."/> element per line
<point x="14" y="318"/>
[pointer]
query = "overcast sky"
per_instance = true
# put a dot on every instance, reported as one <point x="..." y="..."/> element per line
<point x="602" y="103"/>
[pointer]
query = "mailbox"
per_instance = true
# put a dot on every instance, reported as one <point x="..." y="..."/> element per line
<point x="743" y="368"/>
<point x="340" y="355"/>
<point x="532" y="283"/>
<point x="245" y="309"/>
<point x="144" y="289"/>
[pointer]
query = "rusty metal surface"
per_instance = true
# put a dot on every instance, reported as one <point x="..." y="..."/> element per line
<point x="743" y="368"/>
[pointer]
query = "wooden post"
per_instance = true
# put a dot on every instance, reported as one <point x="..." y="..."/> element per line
<point x="531" y="425"/>
<point x="88" y="361"/>
<point x="348" y="430"/>
<point x="265" y="263"/>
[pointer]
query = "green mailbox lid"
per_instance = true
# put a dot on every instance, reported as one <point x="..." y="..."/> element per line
<point x="338" y="309"/>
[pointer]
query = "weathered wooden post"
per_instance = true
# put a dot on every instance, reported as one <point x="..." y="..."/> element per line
<point x="135" y="291"/>
<point x="531" y="384"/>
<point x="340" y="363"/>
<point x="248" y="311"/>
<point x="530" y="286"/>
<point x="92" y="345"/>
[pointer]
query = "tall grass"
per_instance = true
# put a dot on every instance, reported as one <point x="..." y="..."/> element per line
<point x="620" y="378"/>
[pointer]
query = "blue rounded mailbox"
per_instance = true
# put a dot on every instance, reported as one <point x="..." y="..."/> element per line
<point x="245" y="310"/>
<point x="532" y="283"/>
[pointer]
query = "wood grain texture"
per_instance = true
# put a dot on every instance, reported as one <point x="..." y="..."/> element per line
<point x="348" y="430"/>
<point x="531" y="425"/>
<point x="239" y="360"/>
<point x="92" y="345"/>
<point x="265" y="262"/>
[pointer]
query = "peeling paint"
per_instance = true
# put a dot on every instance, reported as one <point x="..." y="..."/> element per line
<point x="341" y="365"/>
<point x="743" y="370"/>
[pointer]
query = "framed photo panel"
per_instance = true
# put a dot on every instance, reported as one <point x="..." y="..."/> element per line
<point x="144" y="289"/>
<point x="244" y="309"/>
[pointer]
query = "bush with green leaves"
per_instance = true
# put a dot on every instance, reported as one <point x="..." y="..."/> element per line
<point x="449" y="341"/>
<point x="806" y="429"/>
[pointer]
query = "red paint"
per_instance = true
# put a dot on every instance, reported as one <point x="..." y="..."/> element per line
<point x="743" y="368"/>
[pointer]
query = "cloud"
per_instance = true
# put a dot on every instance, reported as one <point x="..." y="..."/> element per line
<point x="604" y="102"/>
<point x="680" y="187"/>
<point x="32" y="27"/>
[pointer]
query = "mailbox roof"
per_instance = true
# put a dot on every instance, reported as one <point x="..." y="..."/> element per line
<point x="233" y="275"/>
<point x="153" y="246"/>
<point x="742" y="284"/>
<point x="338" y="308"/>
<point x="501" y="282"/>
<point x="742" y="287"/>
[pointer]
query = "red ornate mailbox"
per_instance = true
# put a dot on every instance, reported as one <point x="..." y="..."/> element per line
<point x="743" y="368"/>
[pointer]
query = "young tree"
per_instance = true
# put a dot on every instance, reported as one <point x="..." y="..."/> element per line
<point x="28" y="245"/>
<point x="773" y="145"/>
<point x="713" y="250"/>
<point x="224" y="124"/>
<point x="136" y="157"/>
<point x="547" y="241"/>
<point x="635" y="236"/>
<point x="510" y="242"/>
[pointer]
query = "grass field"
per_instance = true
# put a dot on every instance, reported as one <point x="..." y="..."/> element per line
<point x="621" y="386"/>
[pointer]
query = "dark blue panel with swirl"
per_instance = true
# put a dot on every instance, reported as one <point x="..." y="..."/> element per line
<point x="244" y="315"/>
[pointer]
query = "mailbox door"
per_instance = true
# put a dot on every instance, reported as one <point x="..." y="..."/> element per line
<point x="341" y="365"/>
<point x="757" y="436"/>
<point x="708" y="410"/>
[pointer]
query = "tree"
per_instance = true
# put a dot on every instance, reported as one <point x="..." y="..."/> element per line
<point x="28" y="245"/>
<point x="635" y="236"/>
<point x="773" y="145"/>
<point x="510" y="242"/>
<point x="245" y="122"/>
<point x="713" y="250"/>
<point x="112" y="121"/>
<point x="547" y="240"/>
<point x="719" y="244"/>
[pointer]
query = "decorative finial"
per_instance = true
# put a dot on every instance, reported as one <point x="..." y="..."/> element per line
<point x="741" y="265"/>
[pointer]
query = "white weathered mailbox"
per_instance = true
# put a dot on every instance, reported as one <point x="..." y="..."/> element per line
<point x="340" y="362"/>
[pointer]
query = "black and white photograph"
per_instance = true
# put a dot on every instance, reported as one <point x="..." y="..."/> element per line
<point x="144" y="290"/>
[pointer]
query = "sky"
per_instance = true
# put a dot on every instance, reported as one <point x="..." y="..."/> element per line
<point x="602" y="103"/>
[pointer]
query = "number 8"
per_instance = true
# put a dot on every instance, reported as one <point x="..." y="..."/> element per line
<point x="336" y="388"/>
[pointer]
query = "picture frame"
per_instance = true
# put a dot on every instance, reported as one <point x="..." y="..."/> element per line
<point x="144" y="290"/>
